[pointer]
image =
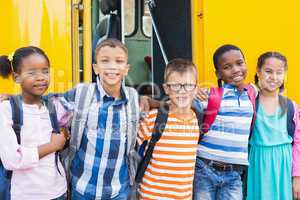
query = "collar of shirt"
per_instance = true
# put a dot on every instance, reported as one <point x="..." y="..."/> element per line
<point x="103" y="96"/>
<point x="230" y="89"/>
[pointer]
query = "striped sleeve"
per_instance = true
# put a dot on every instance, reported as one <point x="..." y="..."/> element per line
<point x="146" y="127"/>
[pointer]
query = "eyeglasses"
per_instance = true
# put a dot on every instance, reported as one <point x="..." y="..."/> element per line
<point x="176" y="87"/>
<point x="36" y="73"/>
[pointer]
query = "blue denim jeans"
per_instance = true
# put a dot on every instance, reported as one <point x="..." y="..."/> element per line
<point x="4" y="185"/>
<point x="210" y="184"/>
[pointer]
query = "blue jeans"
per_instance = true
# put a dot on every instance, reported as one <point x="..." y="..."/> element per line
<point x="210" y="184"/>
<point x="4" y="185"/>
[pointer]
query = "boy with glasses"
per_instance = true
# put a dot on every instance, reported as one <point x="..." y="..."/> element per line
<point x="170" y="171"/>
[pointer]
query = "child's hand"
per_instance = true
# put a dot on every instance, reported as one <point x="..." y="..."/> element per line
<point x="296" y="187"/>
<point x="144" y="104"/>
<point x="202" y="94"/>
<point x="58" y="141"/>
<point x="4" y="97"/>
<point x="66" y="133"/>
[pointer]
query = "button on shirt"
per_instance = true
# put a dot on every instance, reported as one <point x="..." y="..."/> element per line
<point x="32" y="179"/>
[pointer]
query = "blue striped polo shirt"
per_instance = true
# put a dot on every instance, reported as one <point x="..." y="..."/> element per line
<point x="99" y="169"/>
<point x="227" y="138"/>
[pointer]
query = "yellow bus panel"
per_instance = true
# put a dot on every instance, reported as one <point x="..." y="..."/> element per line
<point x="255" y="26"/>
<point x="44" y="23"/>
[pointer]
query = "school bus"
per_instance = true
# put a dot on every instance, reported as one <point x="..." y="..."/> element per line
<point x="154" y="31"/>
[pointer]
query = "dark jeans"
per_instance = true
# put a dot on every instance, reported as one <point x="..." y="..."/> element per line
<point x="4" y="185"/>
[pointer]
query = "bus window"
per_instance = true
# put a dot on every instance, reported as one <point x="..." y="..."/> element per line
<point x="130" y="25"/>
<point x="146" y="21"/>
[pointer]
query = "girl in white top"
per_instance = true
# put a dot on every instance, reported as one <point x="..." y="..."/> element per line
<point x="35" y="176"/>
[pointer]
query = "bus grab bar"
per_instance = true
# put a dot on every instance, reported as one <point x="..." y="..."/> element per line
<point x="152" y="5"/>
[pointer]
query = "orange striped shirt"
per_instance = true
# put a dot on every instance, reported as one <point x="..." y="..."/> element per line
<point x="170" y="172"/>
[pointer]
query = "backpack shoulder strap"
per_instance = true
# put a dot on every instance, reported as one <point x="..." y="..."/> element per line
<point x="17" y="118"/>
<point x="290" y="124"/>
<point x="159" y="126"/>
<point x="199" y="111"/>
<point x="53" y="115"/>
<point x="83" y="99"/>
<point x="213" y="105"/>
<point x="252" y="96"/>
<point x="255" y="106"/>
<point x="54" y="123"/>
<point x="133" y="115"/>
<point x="17" y="115"/>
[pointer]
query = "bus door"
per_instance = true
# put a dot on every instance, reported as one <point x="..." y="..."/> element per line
<point x="137" y="33"/>
<point x="173" y="23"/>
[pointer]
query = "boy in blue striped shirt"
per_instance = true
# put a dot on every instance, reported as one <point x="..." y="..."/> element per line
<point x="222" y="153"/>
<point x="101" y="154"/>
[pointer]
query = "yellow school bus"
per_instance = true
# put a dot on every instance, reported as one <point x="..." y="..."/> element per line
<point x="69" y="29"/>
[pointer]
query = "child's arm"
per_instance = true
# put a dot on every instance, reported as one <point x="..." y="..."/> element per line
<point x="202" y="94"/>
<point x="4" y="97"/>
<point x="68" y="95"/>
<point x="296" y="155"/>
<point x="147" y="103"/>
<point x="144" y="132"/>
<point x="201" y="99"/>
<point x="57" y="143"/>
<point x="17" y="157"/>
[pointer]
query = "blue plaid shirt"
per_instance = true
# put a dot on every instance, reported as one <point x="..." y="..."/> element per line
<point x="99" y="169"/>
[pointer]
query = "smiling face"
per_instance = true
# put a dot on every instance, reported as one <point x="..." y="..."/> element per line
<point x="111" y="65"/>
<point x="181" y="88"/>
<point x="271" y="74"/>
<point x="33" y="75"/>
<point x="232" y="68"/>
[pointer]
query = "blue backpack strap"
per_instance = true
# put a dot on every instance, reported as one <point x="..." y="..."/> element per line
<point x="254" y="117"/>
<point x="17" y="115"/>
<point x="290" y="124"/>
<point x="53" y="115"/>
<point x="54" y="124"/>
<point x="159" y="127"/>
<point x="17" y="118"/>
<point x="252" y="94"/>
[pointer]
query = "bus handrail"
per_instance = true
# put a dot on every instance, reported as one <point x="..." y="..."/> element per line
<point x="151" y="4"/>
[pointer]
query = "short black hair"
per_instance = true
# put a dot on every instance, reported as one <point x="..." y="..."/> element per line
<point x="219" y="53"/>
<point x="221" y="50"/>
